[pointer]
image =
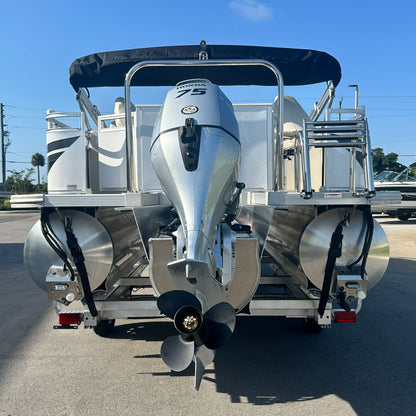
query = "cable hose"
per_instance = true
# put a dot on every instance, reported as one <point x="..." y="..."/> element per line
<point x="53" y="241"/>
<point x="366" y="248"/>
<point x="367" y="243"/>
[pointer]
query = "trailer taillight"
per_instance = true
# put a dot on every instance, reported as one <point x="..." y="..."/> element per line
<point x="70" y="318"/>
<point x="345" y="316"/>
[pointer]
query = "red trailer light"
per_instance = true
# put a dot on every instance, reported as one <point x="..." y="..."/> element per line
<point x="345" y="316"/>
<point x="70" y="318"/>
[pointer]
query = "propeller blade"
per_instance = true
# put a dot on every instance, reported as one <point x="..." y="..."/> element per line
<point x="203" y="357"/>
<point x="176" y="353"/>
<point x="170" y="302"/>
<point x="220" y="321"/>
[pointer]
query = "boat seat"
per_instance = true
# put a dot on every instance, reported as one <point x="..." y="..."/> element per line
<point x="293" y="116"/>
<point x="119" y="108"/>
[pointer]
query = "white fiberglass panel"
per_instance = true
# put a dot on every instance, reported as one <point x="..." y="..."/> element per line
<point x="255" y="126"/>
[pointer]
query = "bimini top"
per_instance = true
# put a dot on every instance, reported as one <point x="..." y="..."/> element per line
<point x="298" y="66"/>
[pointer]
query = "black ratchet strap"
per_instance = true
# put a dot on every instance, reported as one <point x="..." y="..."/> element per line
<point x="79" y="261"/>
<point x="53" y="241"/>
<point x="333" y="253"/>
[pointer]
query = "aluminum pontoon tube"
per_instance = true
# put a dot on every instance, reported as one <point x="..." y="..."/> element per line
<point x="278" y="162"/>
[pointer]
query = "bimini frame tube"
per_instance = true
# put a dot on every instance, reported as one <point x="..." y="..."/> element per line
<point x="278" y="139"/>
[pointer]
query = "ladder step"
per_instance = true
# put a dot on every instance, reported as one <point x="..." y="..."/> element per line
<point x="357" y="130"/>
<point x="346" y="137"/>
<point x="336" y="123"/>
<point x="344" y="144"/>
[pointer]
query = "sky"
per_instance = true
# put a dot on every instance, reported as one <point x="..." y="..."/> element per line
<point x="374" y="42"/>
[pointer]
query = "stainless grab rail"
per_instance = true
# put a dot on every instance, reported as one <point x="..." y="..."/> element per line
<point x="278" y="162"/>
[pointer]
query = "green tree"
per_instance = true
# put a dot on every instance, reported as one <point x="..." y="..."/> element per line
<point x="38" y="160"/>
<point x="386" y="162"/>
<point x="20" y="182"/>
<point x="378" y="155"/>
<point x="413" y="169"/>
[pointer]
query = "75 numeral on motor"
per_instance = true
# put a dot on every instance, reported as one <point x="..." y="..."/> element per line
<point x="194" y="91"/>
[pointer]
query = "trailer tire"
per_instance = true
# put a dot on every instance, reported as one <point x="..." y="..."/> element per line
<point x="311" y="326"/>
<point x="105" y="327"/>
<point x="404" y="216"/>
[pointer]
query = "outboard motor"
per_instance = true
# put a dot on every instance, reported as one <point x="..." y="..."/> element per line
<point x="195" y="153"/>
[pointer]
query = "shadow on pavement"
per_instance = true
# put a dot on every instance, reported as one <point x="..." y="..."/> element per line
<point x="22" y="303"/>
<point x="369" y="364"/>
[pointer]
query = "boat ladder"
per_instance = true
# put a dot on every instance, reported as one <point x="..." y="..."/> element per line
<point x="350" y="134"/>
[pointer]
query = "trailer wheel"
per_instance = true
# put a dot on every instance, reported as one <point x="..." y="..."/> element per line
<point x="105" y="327"/>
<point x="311" y="326"/>
<point x="404" y="216"/>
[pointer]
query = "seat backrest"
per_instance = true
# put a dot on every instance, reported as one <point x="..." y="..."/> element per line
<point x="293" y="116"/>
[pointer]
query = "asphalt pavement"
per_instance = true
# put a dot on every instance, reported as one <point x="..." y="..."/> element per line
<point x="270" y="366"/>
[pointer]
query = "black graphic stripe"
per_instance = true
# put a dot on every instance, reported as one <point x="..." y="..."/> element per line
<point x="53" y="158"/>
<point x="62" y="144"/>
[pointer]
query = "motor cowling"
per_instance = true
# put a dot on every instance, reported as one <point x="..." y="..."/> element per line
<point x="195" y="153"/>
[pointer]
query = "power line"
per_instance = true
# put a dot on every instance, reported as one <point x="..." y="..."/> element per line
<point x="31" y="117"/>
<point x="388" y="96"/>
<point x="26" y="108"/>
<point x="26" y="127"/>
<point x="391" y="115"/>
<point x="363" y="96"/>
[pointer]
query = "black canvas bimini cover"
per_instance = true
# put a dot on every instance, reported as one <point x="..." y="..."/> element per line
<point x="298" y="66"/>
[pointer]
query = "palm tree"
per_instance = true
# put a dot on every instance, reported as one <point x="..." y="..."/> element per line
<point x="38" y="160"/>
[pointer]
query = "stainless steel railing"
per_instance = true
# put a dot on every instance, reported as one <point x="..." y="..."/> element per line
<point x="350" y="134"/>
<point x="278" y="139"/>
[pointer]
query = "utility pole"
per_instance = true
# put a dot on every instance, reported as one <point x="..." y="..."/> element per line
<point x="3" y="149"/>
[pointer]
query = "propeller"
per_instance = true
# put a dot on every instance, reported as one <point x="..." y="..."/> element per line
<point x="199" y="334"/>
